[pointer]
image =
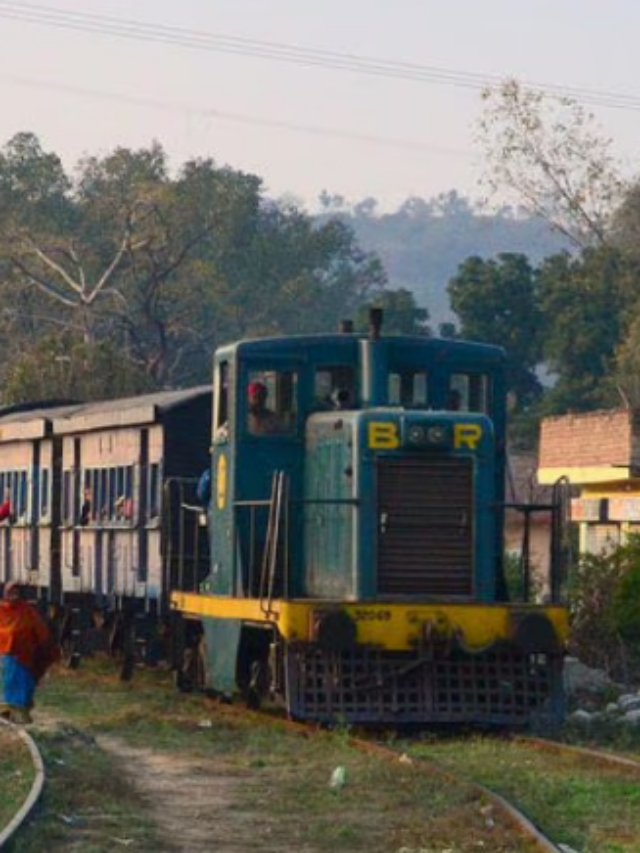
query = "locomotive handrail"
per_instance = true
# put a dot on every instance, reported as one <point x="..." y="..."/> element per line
<point x="557" y="508"/>
<point x="279" y="492"/>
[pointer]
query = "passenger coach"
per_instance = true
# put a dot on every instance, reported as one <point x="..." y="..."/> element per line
<point x="95" y="528"/>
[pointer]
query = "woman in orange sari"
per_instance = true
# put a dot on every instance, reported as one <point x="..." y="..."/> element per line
<point x="27" y="650"/>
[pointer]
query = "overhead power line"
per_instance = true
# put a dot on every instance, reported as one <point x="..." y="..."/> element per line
<point x="214" y="114"/>
<point x="279" y="52"/>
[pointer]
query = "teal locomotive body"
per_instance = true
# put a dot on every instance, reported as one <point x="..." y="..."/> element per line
<point x="356" y="524"/>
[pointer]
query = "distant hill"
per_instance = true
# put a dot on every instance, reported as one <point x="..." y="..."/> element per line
<point x="424" y="241"/>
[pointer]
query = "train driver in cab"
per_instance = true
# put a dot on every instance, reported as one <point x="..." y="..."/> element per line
<point x="261" y="419"/>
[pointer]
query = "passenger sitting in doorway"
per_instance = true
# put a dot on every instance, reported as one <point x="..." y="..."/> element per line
<point x="261" y="420"/>
<point x="5" y="506"/>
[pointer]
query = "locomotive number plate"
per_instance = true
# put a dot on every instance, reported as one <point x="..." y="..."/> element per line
<point x="362" y="614"/>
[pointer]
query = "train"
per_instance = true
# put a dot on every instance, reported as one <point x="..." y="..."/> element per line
<point x="348" y="561"/>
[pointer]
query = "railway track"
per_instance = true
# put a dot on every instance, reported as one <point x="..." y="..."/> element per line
<point x="8" y="832"/>
<point x="522" y="825"/>
<point x="514" y="810"/>
<point x="501" y="814"/>
<point x="581" y="767"/>
<point x="492" y="804"/>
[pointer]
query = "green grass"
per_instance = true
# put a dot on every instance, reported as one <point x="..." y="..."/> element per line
<point x="86" y="804"/>
<point x="17" y="774"/>
<point x="280" y="781"/>
<point x="590" y="808"/>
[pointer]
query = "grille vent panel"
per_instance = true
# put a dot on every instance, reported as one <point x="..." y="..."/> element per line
<point x="425" y="526"/>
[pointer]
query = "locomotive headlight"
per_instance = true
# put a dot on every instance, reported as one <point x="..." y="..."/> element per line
<point x="416" y="434"/>
<point x="428" y="434"/>
<point x="436" y="434"/>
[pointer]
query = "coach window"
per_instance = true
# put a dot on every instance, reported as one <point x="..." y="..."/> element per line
<point x="44" y="493"/>
<point x="221" y="404"/>
<point x="272" y="402"/>
<point x="408" y="388"/>
<point x="469" y="392"/>
<point x="20" y="501"/>
<point x="67" y="498"/>
<point x="334" y="387"/>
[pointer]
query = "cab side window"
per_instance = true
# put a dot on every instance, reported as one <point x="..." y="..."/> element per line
<point x="469" y="392"/>
<point x="221" y="404"/>
<point x="272" y="402"/>
<point x="334" y="387"/>
<point x="408" y="388"/>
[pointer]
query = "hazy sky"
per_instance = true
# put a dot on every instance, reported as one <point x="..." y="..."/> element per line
<point x="303" y="128"/>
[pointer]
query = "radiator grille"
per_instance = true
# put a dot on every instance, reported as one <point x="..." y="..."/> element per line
<point x="498" y="687"/>
<point x="425" y="531"/>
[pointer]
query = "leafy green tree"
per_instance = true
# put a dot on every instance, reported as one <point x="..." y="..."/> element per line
<point x="496" y="301"/>
<point x="584" y="301"/>
<point x="62" y="367"/>
<point x="161" y="267"/>
<point x="402" y="315"/>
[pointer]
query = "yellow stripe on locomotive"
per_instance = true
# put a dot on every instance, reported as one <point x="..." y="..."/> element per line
<point x="392" y="626"/>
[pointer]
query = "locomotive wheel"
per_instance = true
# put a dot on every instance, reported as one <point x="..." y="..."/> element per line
<point x="70" y="655"/>
<point x="191" y="674"/>
<point x="258" y="687"/>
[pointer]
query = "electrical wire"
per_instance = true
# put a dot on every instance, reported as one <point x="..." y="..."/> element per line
<point x="215" y="114"/>
<point x="281" y="52"/>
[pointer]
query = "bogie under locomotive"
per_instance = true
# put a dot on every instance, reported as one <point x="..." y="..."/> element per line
<point x="356" y="538"/>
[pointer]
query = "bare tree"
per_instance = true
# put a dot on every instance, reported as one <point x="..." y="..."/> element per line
<point x="549" y="153"/>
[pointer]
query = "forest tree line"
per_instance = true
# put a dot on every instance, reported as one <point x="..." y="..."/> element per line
<point x="123" y="277"/>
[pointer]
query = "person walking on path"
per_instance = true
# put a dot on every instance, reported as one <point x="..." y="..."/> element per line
<point x="27" y="650"/>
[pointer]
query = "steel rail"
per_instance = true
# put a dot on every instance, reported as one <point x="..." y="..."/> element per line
<point x="558" y="748"/>
<point x="518" y="820"/>
<point x="36" y="787"/>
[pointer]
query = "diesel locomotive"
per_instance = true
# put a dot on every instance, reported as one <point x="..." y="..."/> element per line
<point x="356" y="538"/>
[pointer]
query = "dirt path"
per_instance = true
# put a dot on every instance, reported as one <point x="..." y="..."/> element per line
<point x="195" y="803"/>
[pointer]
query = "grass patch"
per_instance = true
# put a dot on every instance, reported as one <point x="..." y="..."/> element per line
<point x="590" y="808"/>
<point x="17" y="774"/>
<point x="87" y="806"/>
<point x="280" y="781"/>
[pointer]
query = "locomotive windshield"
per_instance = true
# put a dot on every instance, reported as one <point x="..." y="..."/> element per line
<point x="470" y="392"/>
<point x="408" y="388"/>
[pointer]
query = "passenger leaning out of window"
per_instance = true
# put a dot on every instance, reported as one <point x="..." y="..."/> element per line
<point x="5" y="506"/>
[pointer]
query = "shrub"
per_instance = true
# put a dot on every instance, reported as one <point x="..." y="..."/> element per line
<point x="604" y="600"/>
